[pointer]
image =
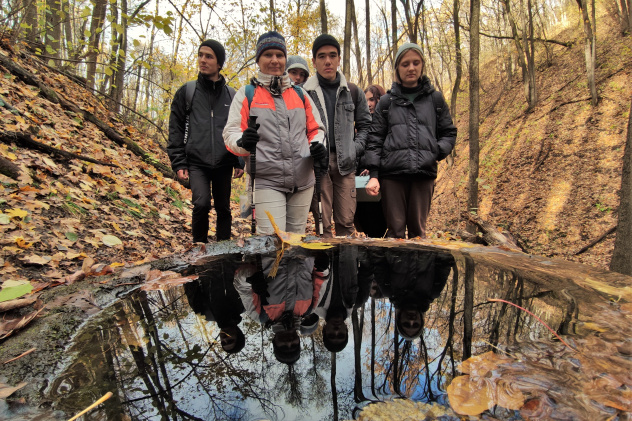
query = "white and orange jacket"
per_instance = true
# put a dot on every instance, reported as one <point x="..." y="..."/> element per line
<point x="287" y="127"/>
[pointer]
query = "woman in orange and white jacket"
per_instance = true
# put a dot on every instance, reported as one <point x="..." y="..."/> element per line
<point x="287" y="139"/>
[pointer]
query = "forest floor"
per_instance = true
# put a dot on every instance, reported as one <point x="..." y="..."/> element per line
<point x="550" y="176"/>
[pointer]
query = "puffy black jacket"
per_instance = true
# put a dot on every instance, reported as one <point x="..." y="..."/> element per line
<point x="209" y="111"/>
<point x="408" y="138"/>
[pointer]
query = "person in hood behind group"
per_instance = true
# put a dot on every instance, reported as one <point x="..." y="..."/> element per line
<point x="297" y="69"/>
<point x="412" y="130"/>
<point x="286" y="142"/>
<point x="196" y="147"/>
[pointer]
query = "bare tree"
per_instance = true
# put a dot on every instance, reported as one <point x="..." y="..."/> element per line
<point x="96" y="27"/>
<point x="323" y="17"/>
<point x="369" y="74"/>
<point x="621" y="261"/>
<point x="346" y="47"/>
<point x="475" y="9"/>
<point x="394" y="28"/>
<point x="590" y="40"/>
<point x="459" y="58"/>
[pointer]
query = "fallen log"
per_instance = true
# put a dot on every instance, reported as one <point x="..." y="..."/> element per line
<point x="25" y="140"/>
<point x="9" y="169"/>
<point x="491" y="235"/>
<point x="109" y="131"/>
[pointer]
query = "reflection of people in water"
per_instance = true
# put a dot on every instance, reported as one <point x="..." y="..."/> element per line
<point x="344" y="292"/>
<point x="283" y="303"/>
<point x="214" y="296"/>
<point x="412" y="279"/>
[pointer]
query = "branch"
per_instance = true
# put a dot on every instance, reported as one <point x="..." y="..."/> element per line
<point x="552" y="41"/>
<point x="27" y="141"/>
<point x="596" y="241"/>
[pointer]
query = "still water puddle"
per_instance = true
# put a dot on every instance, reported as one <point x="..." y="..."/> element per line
<point x="319" y="335"/>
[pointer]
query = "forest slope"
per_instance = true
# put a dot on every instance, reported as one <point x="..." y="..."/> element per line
<point x="59" y="213"/>
<point x="551" y="176"/>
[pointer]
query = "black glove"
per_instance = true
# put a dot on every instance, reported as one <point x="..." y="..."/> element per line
<point x="249" y="139"/>
<point x="322" y="261"/>
<point x="320" y="155"/>
<point x="259" y="285"/>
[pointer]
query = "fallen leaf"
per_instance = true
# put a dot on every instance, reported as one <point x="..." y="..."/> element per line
<point x="88" y="262"/>
<point x="295" y="239"/>
<point x="9" y="326"/>
<point x="111" y="240"/>
<point x="37" y="260"/>
<point x="21" y="243"/>
<point x="4" y="219"/>
<point x="468" y="397"/>
<point x="20" y="213"/>
<point x="165" y="280"/>
<point x="6" y="390"/>
<point x="14" y="289"/>
<point x="75" y="277"/>
<point x="13" y="304"/>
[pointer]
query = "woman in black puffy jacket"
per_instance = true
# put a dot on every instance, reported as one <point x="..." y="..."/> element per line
<point x="412" y="130"/>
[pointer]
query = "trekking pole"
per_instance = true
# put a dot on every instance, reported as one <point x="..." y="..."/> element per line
<point x="252" y="122"/>
<point x="318" y="173"/>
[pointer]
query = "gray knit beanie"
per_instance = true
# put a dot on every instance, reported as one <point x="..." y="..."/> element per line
<point x="404" y="48"/>
<point x="297" y="62"/>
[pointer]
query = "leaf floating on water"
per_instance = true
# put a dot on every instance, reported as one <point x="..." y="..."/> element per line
<point x="6" y="390"/>
<point x="294" y="239"/>
<point x="508" y="396"/>
<point x="164" y="280"/>
<point x="481" y="365"/>
<point x="468" y="397"/>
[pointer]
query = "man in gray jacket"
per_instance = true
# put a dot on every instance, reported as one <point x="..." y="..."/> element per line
<point x="346" y="116"/>
<point x="196" y="145"/>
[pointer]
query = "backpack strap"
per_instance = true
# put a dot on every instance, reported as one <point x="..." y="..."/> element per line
<point x="354" y="93"/>
<point x="189" y="95"/>
<point x="250" y="93"/>
<point x="190" y="91"/>
<point x="437" y="102"/>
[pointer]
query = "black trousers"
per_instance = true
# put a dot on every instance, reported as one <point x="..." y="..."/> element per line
<point x="203" y="182"/>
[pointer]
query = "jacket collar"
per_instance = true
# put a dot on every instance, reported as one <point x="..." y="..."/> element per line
<point x="267" y="81"/>
<point x="312" y="83"/>
<point x="210" y="84"/>
<point x="424" y="81"/>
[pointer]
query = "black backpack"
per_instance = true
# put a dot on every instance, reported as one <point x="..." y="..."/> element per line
<point x="190" y="92"/>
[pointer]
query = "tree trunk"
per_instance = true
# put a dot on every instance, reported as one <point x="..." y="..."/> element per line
<point x="96" y="26"/>
<point x="531" y="60"/>
<point x="521" y="52"/>
<point x="67" y="19"/>
<point x="589" y="48"/>
<point x="358" y="53"/>
<point x="30" y="20"/>
<point x="394" y="29"/>
<point x="273" y="15"/>
<point x="346" y="47"/>
<point x="472" y="202"/>
<point x="119" y="75"/>
<point x="52" y="39"/>
<point x="323" y="17"/>
<point x="459" y="66"/>
<point x="369" y="74"/>
<point x="622" y="255"/>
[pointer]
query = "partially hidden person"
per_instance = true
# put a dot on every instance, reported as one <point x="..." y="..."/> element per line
<point x="412" y="131"/>
<point x="297" y="69"/>
<point x="286" y="141"/>
<point x="196" y="147"/>
<point x="369" y="217"/>
<point x="347" y="121"/>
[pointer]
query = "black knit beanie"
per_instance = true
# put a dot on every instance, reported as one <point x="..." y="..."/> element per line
<point x="322" y="40"/>
<point x="217" y="48"/>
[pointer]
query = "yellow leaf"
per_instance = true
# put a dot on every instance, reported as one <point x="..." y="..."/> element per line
<point x="117" y="264"/>
<point x="20" y="119"/>
<point x="468" y="397"/>
<point x="11" y="156"/>
<point x="295" y="239"/>
<point x="21" y="243"/>
<point x="20" y="213"/>
<point x="116" y="226"/>
<point x="111" y="241"/>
